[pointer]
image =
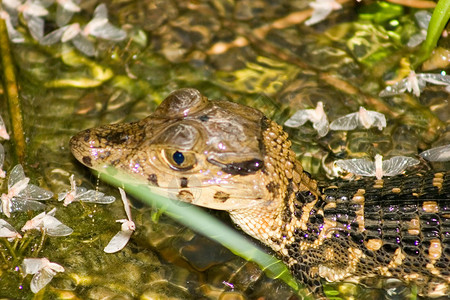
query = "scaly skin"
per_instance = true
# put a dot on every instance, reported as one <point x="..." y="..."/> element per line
<point x="223" y="155"/>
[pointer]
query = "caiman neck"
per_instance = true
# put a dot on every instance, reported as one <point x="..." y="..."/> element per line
<point x="292" y="194"/>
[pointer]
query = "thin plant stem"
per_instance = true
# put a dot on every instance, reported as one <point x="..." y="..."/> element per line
<point x="12" y="94"/>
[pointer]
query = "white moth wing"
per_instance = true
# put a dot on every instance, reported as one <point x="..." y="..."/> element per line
<point x="423" y="18"/>
<point x="6" y="230"/>
<point x="322" y="126"/>
<point x="56" y="267"/>
<point x="299" y="118"/>
<point x="395" y="89"/>
<point x="118" y="241"/>
<point x="126" y="204"/>
<point x="15" y="175"/>
<point x="54" y="36"/>
<point x="33" y="192"/>
<point x="361" y="166"/>
<point x="397" y="165"/>
<point x="35" y="26"/>
<point x="441" y="153"/>
<point x="108" y="31"/>
<point x="319" y="14"/>
<point x="101" y="12"/>
<point x="93" y="196"/>
<point x="54" y="227"/>
<point x="416" y="39"/>
<point x="377" y="119"/>
<point x="70" y="5"/>
<point x="33" y="265"/>
<point x="347" y="122"/>
<point x="435" y="78"/>
<point x="35" y="9"/>
<point x="25" y="205"/>
<point x="84" y="45"/>
<point x="41" y="279"/>
<point x="63" y="15"/>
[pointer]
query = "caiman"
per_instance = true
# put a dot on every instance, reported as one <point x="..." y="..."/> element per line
<point x="242" y="162"/>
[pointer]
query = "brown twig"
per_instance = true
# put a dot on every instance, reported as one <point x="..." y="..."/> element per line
<point x="11" y="93"/>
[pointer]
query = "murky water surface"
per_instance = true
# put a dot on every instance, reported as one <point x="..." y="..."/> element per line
<point x="257" y="53"/>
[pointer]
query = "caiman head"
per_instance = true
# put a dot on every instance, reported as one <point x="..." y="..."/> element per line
<point x="215" y="154"/>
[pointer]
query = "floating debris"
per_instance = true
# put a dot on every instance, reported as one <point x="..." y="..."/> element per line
<point x="43" y="271"/>
<point x="441" y="153"/>
<point x="317" y="116"/>
<point x="423" y="18"/>
<point x="2" y="160"/>
<point x="379" y="168"/>
<point x="99" y="27"/>
<point x="47" y="223"/>
<point x="119" y="241"/>
<point x="7" y="231"/>
<point x="362" y="118"/>
<point x="82" y="194"/>
<point x="321" y="10"/>
<point x="415" y="83"/>
<point x="3" y="133"/>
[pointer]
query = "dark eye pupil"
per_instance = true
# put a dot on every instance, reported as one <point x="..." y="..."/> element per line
<point x="178" y="157"/>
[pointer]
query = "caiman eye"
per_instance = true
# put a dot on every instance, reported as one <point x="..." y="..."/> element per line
<point x="178" y="160"/>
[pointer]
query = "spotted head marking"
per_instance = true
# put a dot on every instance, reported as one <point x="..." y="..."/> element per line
<point x="189" y="144"/>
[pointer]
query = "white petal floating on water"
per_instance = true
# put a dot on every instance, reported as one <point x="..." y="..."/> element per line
<point x="317" y="116"/>
<point x="441" y="153"/>
<point x="3" y="133"/>
<point x="321" y="10"/>
<point x="48" y="223"/>
<point x="379" y="168"/>
<point x="43" y="271"/>
<point x="7" y="231"/>
<point x="362" y="118"/>
<point x="415" y="83"/>
<point x="82" y="194"/>
<point x="119" y="241"/>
